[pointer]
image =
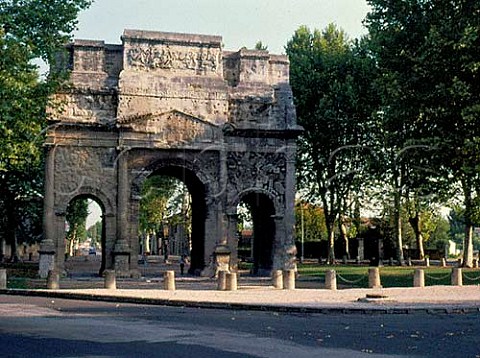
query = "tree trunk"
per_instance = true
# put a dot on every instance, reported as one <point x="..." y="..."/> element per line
<point x="11" y="237"/>
<point x="398" y="227"/>
<point x="344" y="235"/>
<point x="331" y="245"/>
<point x="468" y="245"/>
<point x="415" y="223"/>
<point x="469" y="210"/>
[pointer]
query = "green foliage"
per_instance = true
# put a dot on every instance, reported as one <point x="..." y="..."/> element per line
<point x="29" y="30"/>
<point x="331" y="79"/>
<point x="157" y="192"/>
<point x="76" y="216"/>
<point x="260" y="46"/>
<point x="314" y="228"/>
<point x="427" y="52"/>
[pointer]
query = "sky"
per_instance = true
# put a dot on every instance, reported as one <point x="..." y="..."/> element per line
<point x="239" y="22"/>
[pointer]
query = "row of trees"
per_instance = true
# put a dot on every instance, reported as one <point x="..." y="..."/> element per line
<point x="30" y="30"/>
<point x="392" y="117"/>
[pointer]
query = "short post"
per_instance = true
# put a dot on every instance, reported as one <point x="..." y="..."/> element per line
<point x="110" y="279"/>
<point x="475" y="263"/>
<point x="459" y="262"/>
<point x="390" y="261"/>
<point x="374" y="278"/>
<point x="222" y="280"/>
<point x="169" y="280"/>
<point x="289" y="279"/>
<point x="345" y="259"/>
<point x="53" y="280"/>
<point x="330" y="280"/>
<point x="3" y="279"/>
<point x="277" y="278"/>
<point x="409" y="262"/>
<point x="444" y="262"/>
<point x="427" y="262"/>
<point x="419" y="278"/>
<point x="457" y="277"/>
<point x="231" y="281"/>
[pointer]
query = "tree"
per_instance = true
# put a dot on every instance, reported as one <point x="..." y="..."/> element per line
<point x="311" y="218"/>
<point x="260" y="46"/>
<point x="331" y="79"/>
<point x="29" y="30"/>
<point x="76" y="216"/>
<point x="428" y="53"/>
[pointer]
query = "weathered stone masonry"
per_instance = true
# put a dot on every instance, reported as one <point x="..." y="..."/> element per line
<point x="175" y="104"/>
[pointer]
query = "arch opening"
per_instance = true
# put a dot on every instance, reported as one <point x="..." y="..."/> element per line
<point x="256" y="225"/>
<point x="172" y="216"/>
<point x="85" y="236"/>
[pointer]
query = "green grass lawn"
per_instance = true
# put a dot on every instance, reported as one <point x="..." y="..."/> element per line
<point x="390" y="276"/>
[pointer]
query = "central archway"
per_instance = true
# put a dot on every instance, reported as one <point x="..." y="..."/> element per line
<point x="196" y="189"/>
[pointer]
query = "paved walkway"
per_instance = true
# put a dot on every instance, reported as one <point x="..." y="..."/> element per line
<point x="258" y="294"/>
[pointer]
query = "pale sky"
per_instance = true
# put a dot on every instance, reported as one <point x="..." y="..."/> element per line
<point x="239" y="22"/>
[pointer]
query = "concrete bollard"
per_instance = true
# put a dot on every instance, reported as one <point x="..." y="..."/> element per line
<point x="427" y="262"/>
<point x="330" y="280"/>
<point x="110" y="279"/>
<point x="374" y="278"/>
<point x="231" y="281"/>
<point x="457" y="277"/>
<point x="222" y="280"/>
<point x="289" y="279"/>
<point x="53" y="280"/>
<point x="459" y="262"/>
<point x="475" y="263"/>
<point x="444" y="262"/>
<point x="277" y="279"/>
<point x="169" y="280"/>
<point x="3" y="279"/>
<point x="419" y="278"/>
<point x="409" y="262"/>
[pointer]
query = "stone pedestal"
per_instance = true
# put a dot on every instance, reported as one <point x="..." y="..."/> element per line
<point x="3" y="279"/>
<point x="222" y="258"/>
<point x="374" y="278"/>
<point x="53" y="280"/>
<point x="331" y="280"/>
<point x="457" y="279"/>
<point x="419" y="278"/>
<point x="169" y="280"/>
<point x="110" y="280"/>
<point x="289" y="279"/>
<point x="231" y="284"/>
<point x="47" y="258"/>
<point x="277" y="279"/>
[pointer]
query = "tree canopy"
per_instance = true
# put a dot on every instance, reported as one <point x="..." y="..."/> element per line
<point x="29" y="30"/>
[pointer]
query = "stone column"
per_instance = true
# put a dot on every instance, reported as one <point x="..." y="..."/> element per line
<point x="374" y="278"/>
<point x="457" y="279"/>
<point x="47" y="251"/>
<point x="110" y="280"/>
<point x="277" y="278"/>
<point x="419" y="278"/>
<point x="169" y="280"/>
<point x="289" y="214"/>
<point x="331" y="280"/>
<point x="122" y="247"/>
<point x="3" y="279"/>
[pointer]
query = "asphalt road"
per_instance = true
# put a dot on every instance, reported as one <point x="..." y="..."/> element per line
<point x="42" y="327"/>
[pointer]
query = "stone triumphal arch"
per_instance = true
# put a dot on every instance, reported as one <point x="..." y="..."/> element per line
<point x="179" y="105"/>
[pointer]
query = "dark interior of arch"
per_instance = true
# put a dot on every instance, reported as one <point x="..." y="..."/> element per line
<point x="262" y="212"/>
<point x="103" y="237"/>
<point x="197" y="193"/>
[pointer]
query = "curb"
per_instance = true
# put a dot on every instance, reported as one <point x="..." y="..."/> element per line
<point x="457" y="309"/>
